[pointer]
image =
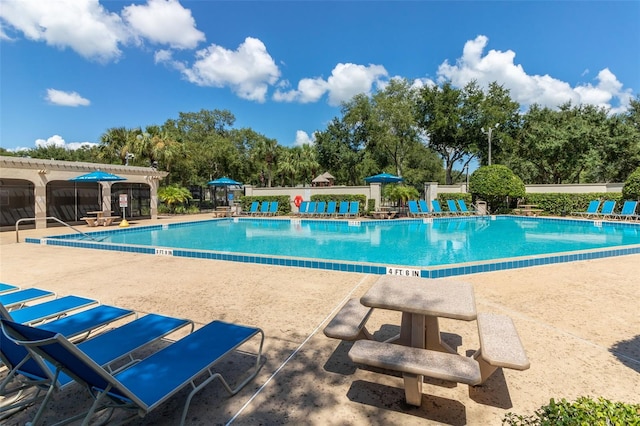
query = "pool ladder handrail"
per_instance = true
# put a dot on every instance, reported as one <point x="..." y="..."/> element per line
<point x="24" y="219"/>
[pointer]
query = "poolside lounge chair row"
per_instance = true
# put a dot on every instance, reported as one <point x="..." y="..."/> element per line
<point x="46" y="346"/>
<point x="628" y="211"/>
<point x="329" y="209"/>
<point x="264" y="208"/>
<point x="420" y="208"/>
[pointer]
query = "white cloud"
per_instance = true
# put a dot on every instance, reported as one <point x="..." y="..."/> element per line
<point x="248" y="71"/>
<point x="302" y="138"/>
<point x="58" y="141"/>
<point x="82" y="25"/>
<point x="58" y="97"/>
<point x="529" y="89"/>
<point x="164" y="22"/>
<point x="419" y="83"/>
<point x="346" y="81"/>
<point x="162" y="56"/>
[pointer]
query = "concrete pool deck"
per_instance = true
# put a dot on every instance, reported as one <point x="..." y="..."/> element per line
<point x="579" y="323"/>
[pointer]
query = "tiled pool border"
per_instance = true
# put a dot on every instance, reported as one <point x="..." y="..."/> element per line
<point x="345" y="266"/>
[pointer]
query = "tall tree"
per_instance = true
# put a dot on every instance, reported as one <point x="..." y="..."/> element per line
<point x="557" y="143"/>
<point x="442" y="115"/>
<point x="394" y="131"/>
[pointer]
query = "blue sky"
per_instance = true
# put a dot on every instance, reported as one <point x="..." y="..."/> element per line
<point x="71" y="69"/>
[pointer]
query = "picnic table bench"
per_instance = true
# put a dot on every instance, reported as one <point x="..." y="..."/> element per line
<point x="528" y="210"/>
<point x="99" y="219"/>
<point x="500" y="347"/>
<point x="349" y="323"/>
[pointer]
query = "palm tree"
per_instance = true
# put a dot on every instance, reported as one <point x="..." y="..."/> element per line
<point x="267" y="151"/>
<point x="116" y="143"/>
<point x="174" y="195"/>
<point x="308" y="166"/>
<point x="287" y="166"/>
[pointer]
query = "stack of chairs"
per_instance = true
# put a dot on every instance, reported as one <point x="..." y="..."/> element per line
<point x="47" y="346"/>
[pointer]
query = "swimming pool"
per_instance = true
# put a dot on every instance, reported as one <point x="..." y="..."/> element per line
<point x="428" y="248"/>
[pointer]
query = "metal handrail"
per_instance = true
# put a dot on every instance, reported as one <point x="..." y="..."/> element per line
<point x="24" y="219"/>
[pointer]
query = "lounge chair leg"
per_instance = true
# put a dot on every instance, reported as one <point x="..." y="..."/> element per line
<point x="413" y="389"/>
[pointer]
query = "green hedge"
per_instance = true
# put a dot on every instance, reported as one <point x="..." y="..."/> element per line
<point x="284" y="208"/>
<point x="584" y="411"/>
<point x="558" y="204"/>
<point x="444" y="196"/>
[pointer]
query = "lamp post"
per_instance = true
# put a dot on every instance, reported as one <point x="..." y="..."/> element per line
<point x="489" y="133"/>
<point x="128" y="156"/>
<point x="466" y="169"/>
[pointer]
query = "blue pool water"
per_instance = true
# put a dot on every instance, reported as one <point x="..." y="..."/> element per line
<point x="419" y="244"/>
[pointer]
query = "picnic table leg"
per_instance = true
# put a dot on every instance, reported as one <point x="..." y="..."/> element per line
<point x="413" y="389"/>
<point x="412" y="334"/>
<point x="433" y="337"/>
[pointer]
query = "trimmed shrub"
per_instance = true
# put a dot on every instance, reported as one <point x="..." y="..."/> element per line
<point x="584" y="411"/>
<point x="559" y="204"/>
<point x="497" y="185"/>
<point x="444" y="196"/>
<point x="631" y="188"/>
<point x="284" y="208"/>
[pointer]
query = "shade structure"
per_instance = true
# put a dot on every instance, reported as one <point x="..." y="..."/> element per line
<point x="383" y="178"/>
<point x="223" y="181"/>
<point x="97" y="176"/>
<point x="320" y="179"/>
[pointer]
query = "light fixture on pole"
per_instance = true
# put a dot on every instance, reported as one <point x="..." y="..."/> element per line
<point x="466" y="169"/>
<point x="489" y="133"/>
<point x="128" y="156"/>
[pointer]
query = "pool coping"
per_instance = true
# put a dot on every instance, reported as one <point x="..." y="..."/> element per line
<point x="438" y="271"/>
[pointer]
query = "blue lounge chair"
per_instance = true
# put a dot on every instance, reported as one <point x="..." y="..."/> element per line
<point x="628" y="211"/>
<point x="311" y="208"/>
<point x="354" y="209"/>
<point x="464" y="209"/>
<point x="607" y="209"/>
<point x="331" y="208"/>
<point x="253" y="210"/>
<point x="343" y="209"/>
<point x="302" y="210"/>
<point x="147" y="384"/>
<point x="413" y="209"/>
<point x="424" y="208"/>
<point x="320" y="208"/>
<point x="273" y="208"/>
<point x="17" y="299"/>
<point x="4" y="288"/>
<point x="78" y="326"/>
<point x="435" y="208"/>
<point x="105" y="349"/>
<point x="48" y="310"/>
<point x="592" y="209"/>
<point x="453" y="207"/>
<point x="264" y="208"/>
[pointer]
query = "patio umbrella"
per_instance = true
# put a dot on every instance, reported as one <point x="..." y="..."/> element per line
<point x="95" y="176"/>
<point x="224" y="182"/>
<point x="383" y="178"/>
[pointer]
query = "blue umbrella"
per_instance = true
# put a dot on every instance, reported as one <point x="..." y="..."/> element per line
<point x="383" y="178"/>
<point x="97" y="176"/>
<point x="224" y="181"/>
